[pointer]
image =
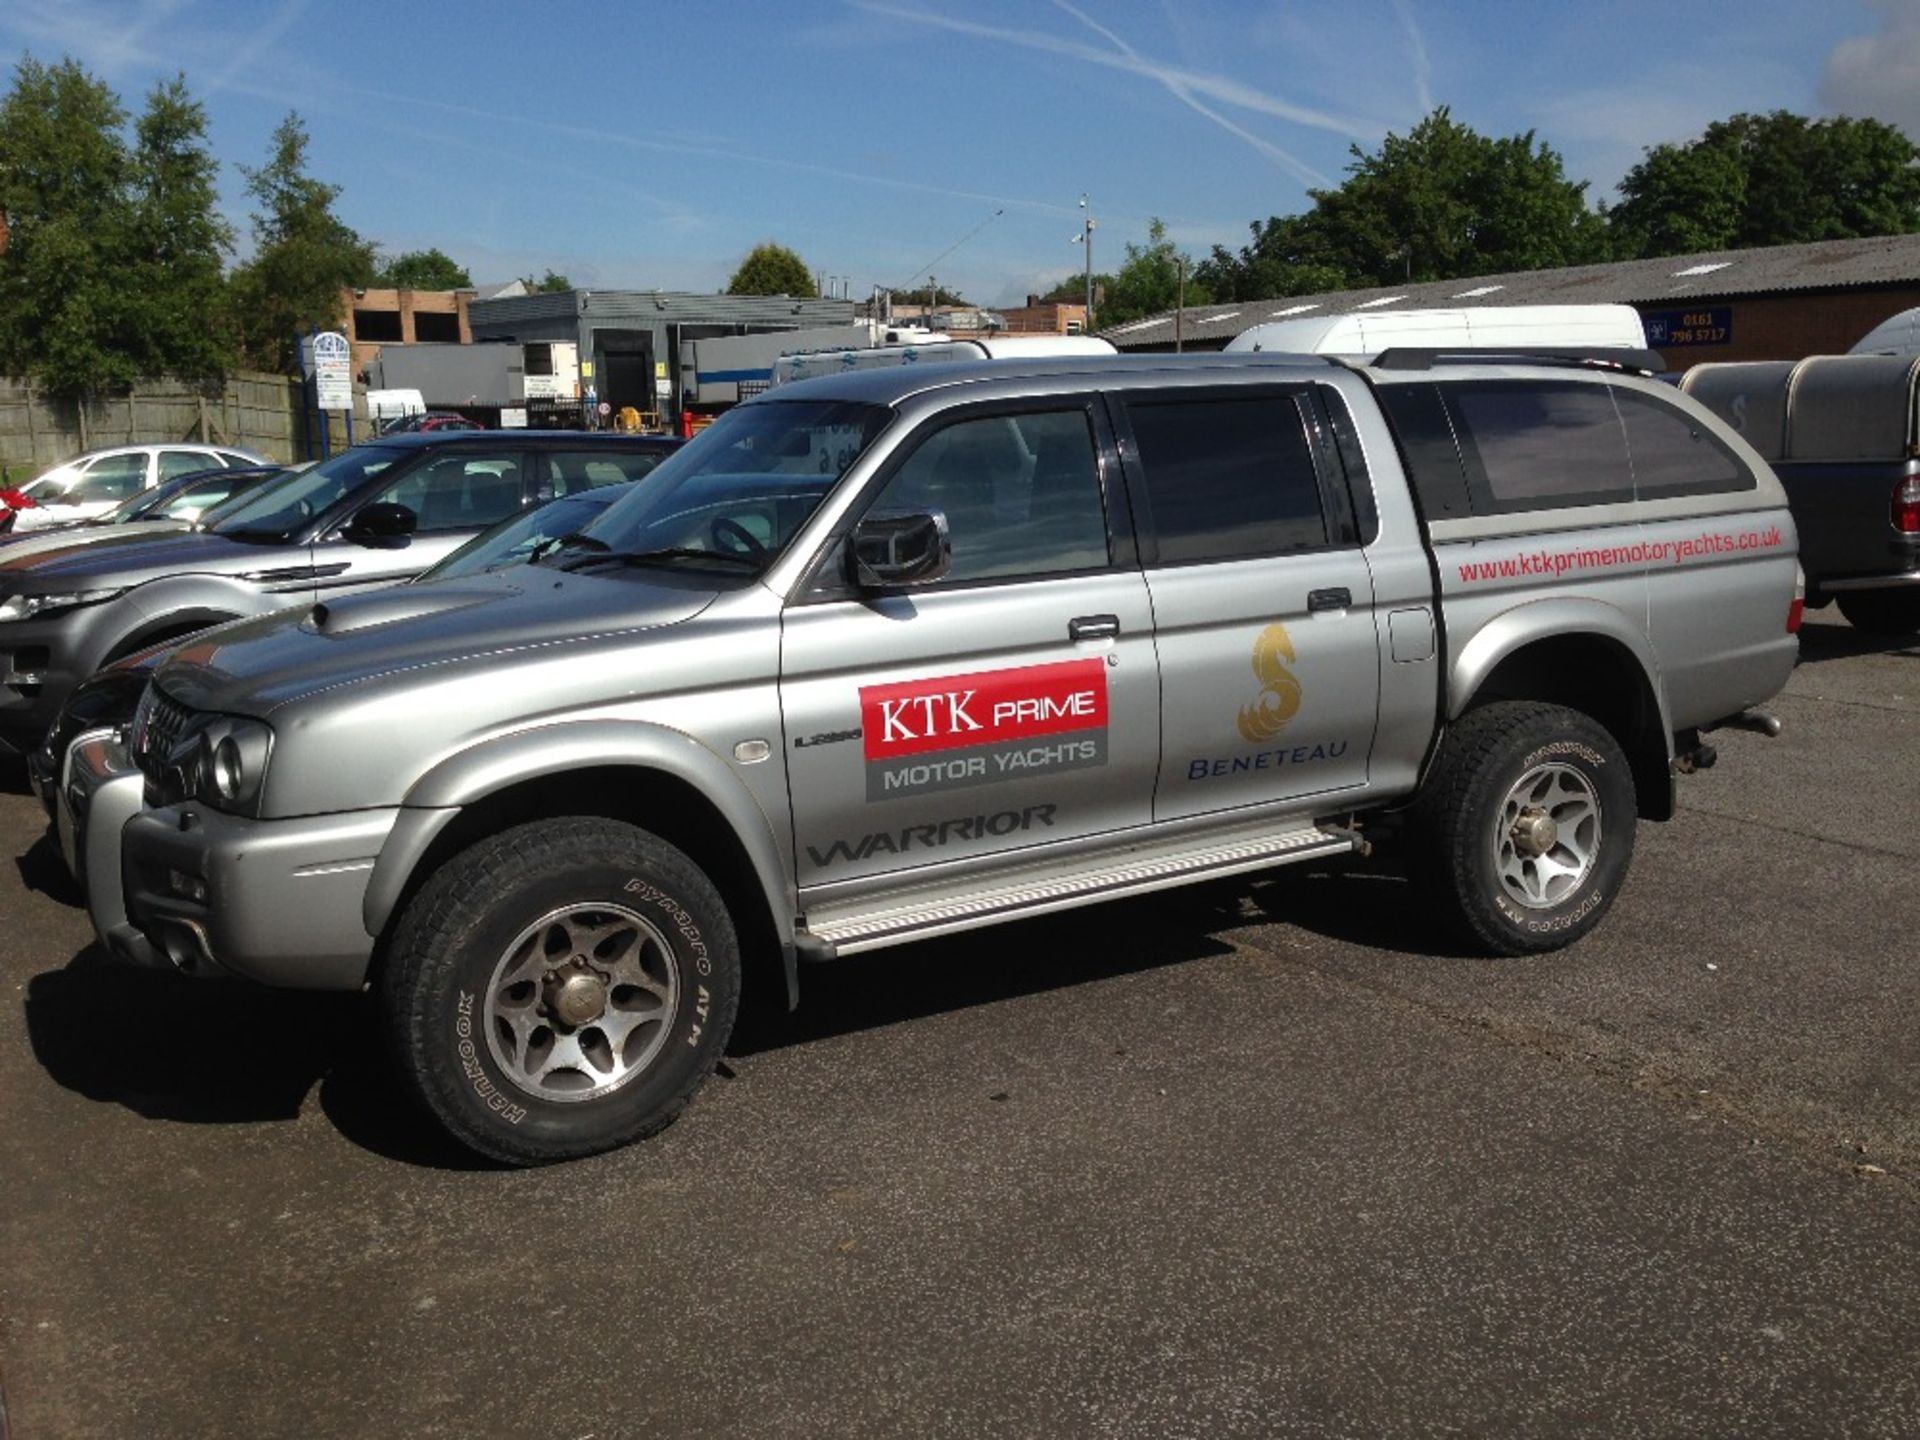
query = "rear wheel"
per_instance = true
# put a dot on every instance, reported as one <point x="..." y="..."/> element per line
<point x="560" y="989"/>
<point x="1525" y="829"/>
<point x="1882" y="612"/>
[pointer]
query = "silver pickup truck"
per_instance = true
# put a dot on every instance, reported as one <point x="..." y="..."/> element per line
<point x="894" y="654"/>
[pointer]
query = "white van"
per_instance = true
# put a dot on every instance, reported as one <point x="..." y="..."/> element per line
<point x="385" y="405"/>
<point x="1896" y="335"/>
<point x="935" y="352"/>
<point x="1483" y="327"/>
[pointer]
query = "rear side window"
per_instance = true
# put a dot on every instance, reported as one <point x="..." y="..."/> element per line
<point x="1673" y="454"/>
<point x="1419" y="418"/>
<point x="1228" y="478"/>
<point x="1540" y="445"/>
<point x="569" y="472"/>
<point x="174" y="463"/>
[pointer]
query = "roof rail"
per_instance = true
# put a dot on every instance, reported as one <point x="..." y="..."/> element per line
<point x="1411" y="357"/>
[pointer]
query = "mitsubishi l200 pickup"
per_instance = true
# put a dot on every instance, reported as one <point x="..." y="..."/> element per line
<point x="898" y="653"/>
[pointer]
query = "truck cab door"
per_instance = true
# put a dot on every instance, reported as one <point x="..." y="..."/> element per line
<point x="1262" y="597"/>
<point x="1010" y="704"/>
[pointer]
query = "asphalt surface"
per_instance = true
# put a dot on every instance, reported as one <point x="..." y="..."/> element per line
<point x="1260" y="1158"/>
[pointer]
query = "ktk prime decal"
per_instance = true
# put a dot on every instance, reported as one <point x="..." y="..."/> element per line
<point x="959" y="730"/>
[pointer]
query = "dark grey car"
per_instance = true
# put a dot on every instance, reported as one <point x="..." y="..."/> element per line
<point x="370" y="516"/>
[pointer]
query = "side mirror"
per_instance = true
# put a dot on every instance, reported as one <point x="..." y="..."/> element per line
<point x="892" y="548"/>
<point x="381" y="523"/>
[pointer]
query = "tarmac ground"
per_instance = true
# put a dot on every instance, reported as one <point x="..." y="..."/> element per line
<point x="1261" y="1157"/>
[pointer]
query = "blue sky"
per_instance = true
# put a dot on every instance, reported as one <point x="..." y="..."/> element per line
<point x="652" y="145"/>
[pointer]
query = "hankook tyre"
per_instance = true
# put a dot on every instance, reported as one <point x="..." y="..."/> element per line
<point x="1882" y="612"/>
<point x="1525" y="829"/>
<point x="561" y="988"/>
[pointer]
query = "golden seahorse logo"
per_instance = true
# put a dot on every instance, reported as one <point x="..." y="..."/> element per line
<point x="1279" y="698"/>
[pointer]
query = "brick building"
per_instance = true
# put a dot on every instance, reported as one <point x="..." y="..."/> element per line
<point x="1782" y="302"/>
<point x="373" y="317"/>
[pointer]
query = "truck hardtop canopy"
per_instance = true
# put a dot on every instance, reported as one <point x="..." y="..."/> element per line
<point x="1482" y="327"/>
<point x="1826" y="407"/>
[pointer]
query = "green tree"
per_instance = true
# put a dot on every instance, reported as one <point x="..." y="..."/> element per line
<point x="551" y="283"/>
<point x="771" y="269"/>
<point x="1775" y="179"/>
<point x="1148" y="281"/>
<point x="303" y="255"/>
<point x="425" y="270"/>
<point x="64" y="190"/>
<point x="174" y="278"/>
<point x="1442" y="202"/>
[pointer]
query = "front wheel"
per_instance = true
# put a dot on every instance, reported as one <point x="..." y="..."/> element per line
<point x="1882" y="612"/>
<point x="560" y="989"/>
<point x="1525" y="829"/>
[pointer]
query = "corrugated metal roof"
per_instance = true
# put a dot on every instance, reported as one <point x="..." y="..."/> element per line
<point x="1714" y="275"/>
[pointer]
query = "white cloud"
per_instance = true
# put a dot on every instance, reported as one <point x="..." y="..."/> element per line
<point x="1878" y="76"/>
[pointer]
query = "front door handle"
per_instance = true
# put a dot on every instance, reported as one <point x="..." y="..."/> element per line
<point x="1338" y="598"/>
<point x="1093" y="627"/>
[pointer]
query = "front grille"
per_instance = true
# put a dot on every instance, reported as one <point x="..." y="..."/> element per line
<point x="158" y="724"/>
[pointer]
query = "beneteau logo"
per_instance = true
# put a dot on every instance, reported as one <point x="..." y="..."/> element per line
<point x="1279" y="699"/>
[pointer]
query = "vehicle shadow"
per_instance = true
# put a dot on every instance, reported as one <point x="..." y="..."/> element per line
<point x="212" y="1052"/>
<point x="1364" y="901"/>
<point x="44" y="872"/>
<point x="1357" y="902"/>
<point x="13" y="776"/>
<point x="1833" y="639"/>
<point x="209" y="1052"/>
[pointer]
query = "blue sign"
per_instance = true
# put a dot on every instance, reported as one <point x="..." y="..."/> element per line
<point x="1673" y="329"/>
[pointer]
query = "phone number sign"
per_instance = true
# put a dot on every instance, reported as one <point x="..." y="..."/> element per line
<point x="1671" y="329"/>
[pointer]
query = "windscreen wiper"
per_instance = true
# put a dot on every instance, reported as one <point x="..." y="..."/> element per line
<point x="663" y="556"/>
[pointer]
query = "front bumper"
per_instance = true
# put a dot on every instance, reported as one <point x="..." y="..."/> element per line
<point x="275" y="901"/>
<point x="39" y="666"/>
<point x="97" y="792"/>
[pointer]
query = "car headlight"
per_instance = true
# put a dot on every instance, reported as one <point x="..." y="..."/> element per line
<point x="225" y="763"/>
<point x="25" y="607"/>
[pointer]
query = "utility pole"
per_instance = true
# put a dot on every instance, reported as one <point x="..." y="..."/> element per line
<point x="1086" y="240"/>
<point x="933" y="292"/>
<point x="1180" y="301"/>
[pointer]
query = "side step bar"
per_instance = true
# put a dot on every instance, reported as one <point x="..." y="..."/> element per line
<point x="939" y="909"/>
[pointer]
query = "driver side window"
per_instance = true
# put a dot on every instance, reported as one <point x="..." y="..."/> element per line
<point x="464" y="490"/>
<point x="1021" y="494"/>
<point x="114" y="478"/>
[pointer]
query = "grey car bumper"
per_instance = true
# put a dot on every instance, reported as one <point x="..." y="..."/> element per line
<point x="275" y="901"/>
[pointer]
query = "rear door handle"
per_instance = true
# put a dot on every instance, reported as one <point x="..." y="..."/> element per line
<point x="1093" y="627"/>
<point x="1338" y="598"/>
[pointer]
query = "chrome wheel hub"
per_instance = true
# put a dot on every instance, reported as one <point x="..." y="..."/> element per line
<point x="581" y="1002"/>
<point x="1546" y="837"/>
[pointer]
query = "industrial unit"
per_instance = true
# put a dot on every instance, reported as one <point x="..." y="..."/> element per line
<point x="1781" y="302"/>
<point x="630" y="339"/>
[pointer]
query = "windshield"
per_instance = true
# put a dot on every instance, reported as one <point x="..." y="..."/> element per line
<point x="736" y="495"/>
<point x="276" y="511"/>
<point x="47" y="485"/>
<point x="522" y="538"/>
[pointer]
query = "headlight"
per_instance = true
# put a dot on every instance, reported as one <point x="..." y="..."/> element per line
<point x="25" y="607"/>
<point x="225" y="762"/>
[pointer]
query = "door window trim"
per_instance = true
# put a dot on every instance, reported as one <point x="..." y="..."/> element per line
<point x="823" y="583"/>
